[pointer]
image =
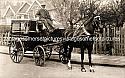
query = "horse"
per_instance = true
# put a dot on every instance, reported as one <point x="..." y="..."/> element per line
<point x="92" y="25"/>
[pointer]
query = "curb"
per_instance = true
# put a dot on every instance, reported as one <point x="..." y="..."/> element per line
<point x="77" y="62"/>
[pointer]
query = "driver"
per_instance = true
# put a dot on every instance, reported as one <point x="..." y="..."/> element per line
<point x="44" y="16"/>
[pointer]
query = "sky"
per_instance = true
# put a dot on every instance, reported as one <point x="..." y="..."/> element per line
<point x="15" y="1"/>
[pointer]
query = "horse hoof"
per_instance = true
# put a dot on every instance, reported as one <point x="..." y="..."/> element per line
<point x="83" y="70"/>
<point x="70" y="68"/>
<point x="92" y="70"/>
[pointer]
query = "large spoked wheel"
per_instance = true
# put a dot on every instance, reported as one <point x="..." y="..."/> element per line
<point x="63" y="56"/>
<point x="16" y="51"/>
<point x="39" y="55"/>
<point x="48" y="52"/>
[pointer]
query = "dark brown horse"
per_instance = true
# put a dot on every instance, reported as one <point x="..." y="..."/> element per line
<point x="92" y="24"/>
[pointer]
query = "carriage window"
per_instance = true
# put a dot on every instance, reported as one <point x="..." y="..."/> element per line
<point x="23" y="26"/>
<point x="17" y="27"/>
<point x="32" y="25"/>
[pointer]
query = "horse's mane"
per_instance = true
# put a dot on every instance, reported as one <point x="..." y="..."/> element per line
<point x="80" y="30"/>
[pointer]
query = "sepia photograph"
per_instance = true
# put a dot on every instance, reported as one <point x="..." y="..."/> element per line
<point x="62" y="39"/>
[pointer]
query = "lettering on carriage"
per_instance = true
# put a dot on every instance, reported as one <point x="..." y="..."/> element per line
<point x="107" y="39"/>
<point x="62" y="39"/>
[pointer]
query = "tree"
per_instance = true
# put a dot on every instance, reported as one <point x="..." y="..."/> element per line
<point x="71" y="12"/>
<point x="67" y="11"/>
<point x="114" y="13"/>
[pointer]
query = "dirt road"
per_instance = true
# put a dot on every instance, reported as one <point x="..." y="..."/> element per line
<point x="53" y="69"/>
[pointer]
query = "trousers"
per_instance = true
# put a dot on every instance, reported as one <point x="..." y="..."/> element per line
<point x="47" y="23"/>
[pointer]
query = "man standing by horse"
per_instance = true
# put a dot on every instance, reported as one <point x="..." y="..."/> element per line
<point x="45" y="19"/>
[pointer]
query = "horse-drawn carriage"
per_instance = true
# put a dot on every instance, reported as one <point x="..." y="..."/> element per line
<point x="25" y="36"/>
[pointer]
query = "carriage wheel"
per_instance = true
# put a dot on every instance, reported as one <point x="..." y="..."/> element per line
<point x="16" y="51"/>
<point x="63" y="56"/>
<point x="48" y="52"/>
<point x="39" y="55"/>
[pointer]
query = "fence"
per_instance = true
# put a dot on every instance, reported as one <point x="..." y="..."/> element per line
<point x="114" y="43"/>
<point x="4" y="39"/>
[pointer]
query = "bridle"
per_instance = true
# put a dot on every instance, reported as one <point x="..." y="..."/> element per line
<point x="97" y="23"/>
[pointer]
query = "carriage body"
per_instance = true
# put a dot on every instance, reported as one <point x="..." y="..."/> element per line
<point x="23" y="38"/>
<point x="24" y="30"/>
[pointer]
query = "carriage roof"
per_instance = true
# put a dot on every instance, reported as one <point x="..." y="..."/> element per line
<point x="22" y="23"/>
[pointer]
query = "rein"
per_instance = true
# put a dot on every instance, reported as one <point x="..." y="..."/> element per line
<point x="83" y="27"/>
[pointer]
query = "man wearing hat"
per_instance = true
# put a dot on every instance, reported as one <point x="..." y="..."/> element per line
<point x="44" y="16"/>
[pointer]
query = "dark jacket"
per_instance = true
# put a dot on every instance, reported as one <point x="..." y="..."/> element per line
<point x="43" y="13"/>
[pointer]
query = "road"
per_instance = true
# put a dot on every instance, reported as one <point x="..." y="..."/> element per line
<point x="53" y="69"/>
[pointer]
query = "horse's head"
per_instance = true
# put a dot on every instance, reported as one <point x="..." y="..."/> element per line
<point x="97" y="24"/>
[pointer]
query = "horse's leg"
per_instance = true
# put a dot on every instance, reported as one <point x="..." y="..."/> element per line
<point x="89" y="56"/>
<point x="69" y="58"/>
<point x="82" y="58"/>
<point x="65" y="57"/>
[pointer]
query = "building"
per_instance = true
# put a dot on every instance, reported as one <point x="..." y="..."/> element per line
<point x="25" y="10"/>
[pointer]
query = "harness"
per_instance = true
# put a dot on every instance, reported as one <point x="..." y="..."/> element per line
<point x="81" y="30"/>
<point x="85" y="32"/>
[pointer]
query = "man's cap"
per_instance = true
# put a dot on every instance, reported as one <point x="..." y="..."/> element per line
<point x="43" y="5"/>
